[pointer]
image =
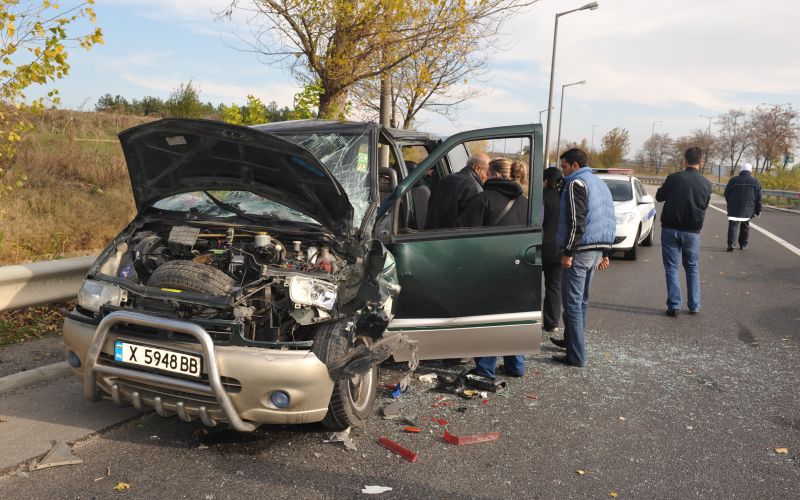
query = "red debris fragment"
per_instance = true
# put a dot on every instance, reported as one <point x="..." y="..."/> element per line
<point x="396" y="448"/>
<point x="532" y="395"/>
<point x="390" y="386"/>
<point x="442" y="421"/>
<point x="485" y="401"/>
<point x="443" y="403"/>
<point x="413" y="429"/>
<point x="476" y="438"/>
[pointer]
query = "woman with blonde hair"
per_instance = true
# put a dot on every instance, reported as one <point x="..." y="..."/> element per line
<point x="519" y="173"/>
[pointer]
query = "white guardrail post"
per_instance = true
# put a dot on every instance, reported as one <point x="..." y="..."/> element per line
<point x="37" y="283"/>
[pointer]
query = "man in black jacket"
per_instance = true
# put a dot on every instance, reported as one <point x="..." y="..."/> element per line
<point x="686" y="196"/>
<point x="743" y="195"/>
<point x="452" y="194"/>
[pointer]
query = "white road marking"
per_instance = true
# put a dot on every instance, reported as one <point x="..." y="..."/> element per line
<point x="766" y="233"/>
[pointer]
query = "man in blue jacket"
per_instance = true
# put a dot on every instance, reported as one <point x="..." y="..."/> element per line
<point x="743" y="195"/>
<point x="586" y="230"/>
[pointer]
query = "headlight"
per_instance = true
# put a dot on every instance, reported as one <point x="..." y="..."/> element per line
<point x="307" y="291"/>
<point x="94" y="294"/>
<point x="625" y="218"/>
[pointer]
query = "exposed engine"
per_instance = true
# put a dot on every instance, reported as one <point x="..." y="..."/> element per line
<point x="274" y="286"/>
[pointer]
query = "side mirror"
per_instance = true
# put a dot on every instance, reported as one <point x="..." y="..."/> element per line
<point x="646" y="199"/>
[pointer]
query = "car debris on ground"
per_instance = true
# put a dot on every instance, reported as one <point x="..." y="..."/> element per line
<point x="375" y="490"/>
<point x="60" y="454"/>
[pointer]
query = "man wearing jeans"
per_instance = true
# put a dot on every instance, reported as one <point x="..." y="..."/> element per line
<point x="686" y="196"/>
<point x="586" y="230"/>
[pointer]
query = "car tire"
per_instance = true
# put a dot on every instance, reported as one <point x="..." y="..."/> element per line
<point x="194" y="276"/>
<point x="649" y="240"/>
<point x="631" y="254"/>
<point x="353" y="399"/>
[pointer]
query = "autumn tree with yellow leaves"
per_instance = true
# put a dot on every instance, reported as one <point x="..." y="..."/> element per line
<point x="339" y="43"/>
<point x="34" y="40"/>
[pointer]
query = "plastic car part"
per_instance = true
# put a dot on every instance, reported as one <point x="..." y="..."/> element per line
<point x="396" y="448"/>
<point x="475" y="438"/>
<point x="362" y="358"/>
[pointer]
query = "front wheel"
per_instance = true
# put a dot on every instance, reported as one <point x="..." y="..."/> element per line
<point x="353" y="399"/>
<point x="649" y="240"/>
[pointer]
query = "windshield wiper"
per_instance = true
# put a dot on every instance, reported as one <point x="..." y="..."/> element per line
<point x="231" y="208"/>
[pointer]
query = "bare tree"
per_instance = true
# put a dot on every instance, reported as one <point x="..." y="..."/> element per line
<point x="656" y="149"/>
<point x="735" y="136"/>
<point x="338" y="43"/>
<point x="436" y="79"/>
<point x="775" y="134"/>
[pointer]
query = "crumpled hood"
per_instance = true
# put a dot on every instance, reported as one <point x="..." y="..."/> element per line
<point x="173" y="156"/>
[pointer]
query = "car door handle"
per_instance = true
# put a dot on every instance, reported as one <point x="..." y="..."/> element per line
<point x="533" y="256"/>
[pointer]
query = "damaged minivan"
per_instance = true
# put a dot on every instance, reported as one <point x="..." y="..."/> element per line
<point x="271" y="269"/>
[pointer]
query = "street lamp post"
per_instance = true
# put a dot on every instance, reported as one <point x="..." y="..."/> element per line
<point x="542" y="111"/>
<point x="561" y="113"/>
<point x="593" y="126"/>
<point x="588" y="6"/>
<point x="653" y="131"/>
<point x="708" y="146"/>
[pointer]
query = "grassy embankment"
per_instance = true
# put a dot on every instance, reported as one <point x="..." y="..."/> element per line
<point x="77" y="195"/>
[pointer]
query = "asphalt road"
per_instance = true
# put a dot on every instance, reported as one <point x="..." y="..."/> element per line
<point x="688" y="407"/>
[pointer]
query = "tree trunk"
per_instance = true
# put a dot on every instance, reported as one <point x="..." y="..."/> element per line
<point x="333" y="104"/>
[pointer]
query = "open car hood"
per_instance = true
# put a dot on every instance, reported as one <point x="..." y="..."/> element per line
<point x="174" y="156"/>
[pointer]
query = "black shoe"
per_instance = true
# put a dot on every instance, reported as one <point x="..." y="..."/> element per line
<point x="565" y="361"/>
<point x="559" y="342"/>
<point x="502" y="369"/>
<point x="729" y="249"/>
<point x="673" y="313"/>
<point x="743" y="247"/>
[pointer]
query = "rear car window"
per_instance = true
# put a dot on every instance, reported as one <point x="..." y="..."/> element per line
<point x="620" y="190"/>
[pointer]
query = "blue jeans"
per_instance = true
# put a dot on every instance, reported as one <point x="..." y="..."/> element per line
<point x="514" y="365"/>
<point x="575" y="284"/>
<point x="676" y="247"/>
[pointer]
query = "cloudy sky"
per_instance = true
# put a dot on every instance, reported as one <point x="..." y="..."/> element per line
<point x="647" y="63"/>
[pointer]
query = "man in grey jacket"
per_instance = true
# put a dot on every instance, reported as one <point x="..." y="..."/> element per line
<point x="743" y="195"/>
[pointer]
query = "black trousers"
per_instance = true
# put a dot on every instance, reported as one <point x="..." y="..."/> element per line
<point x="551" y="309"/>
<point x="744" y="232"/>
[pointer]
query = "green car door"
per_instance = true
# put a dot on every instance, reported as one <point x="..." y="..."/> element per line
<point x="473" y="291"/>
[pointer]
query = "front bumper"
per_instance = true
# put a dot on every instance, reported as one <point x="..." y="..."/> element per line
<point x="626" y="236"/>
<point x="237" y="381"/>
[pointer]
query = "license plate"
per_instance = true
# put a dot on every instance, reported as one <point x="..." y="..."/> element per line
<point x="161" y="359"/>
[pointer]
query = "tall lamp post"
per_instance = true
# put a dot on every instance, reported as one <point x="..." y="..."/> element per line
<point x="588" y="6"/>
<point x="653" y="131"/>
<point x="561" y="112"/>
<point x="542" y="111"/>
<point x="708" y="146"/>
<point x="593" y="127"/>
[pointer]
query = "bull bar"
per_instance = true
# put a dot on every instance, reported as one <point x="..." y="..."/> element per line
<point x="214" y="387"/>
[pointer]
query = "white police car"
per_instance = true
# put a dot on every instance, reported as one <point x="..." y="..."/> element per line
<point x="634" y="208"/>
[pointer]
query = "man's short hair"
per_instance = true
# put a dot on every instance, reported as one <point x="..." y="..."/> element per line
<point x="693" y="155"/>
<point x="575" y="155"/>
<point x="477" y="159"/>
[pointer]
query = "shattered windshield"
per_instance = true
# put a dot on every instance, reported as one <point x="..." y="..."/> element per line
<point x="244" y="201"/>
<point x="347" y="157"/>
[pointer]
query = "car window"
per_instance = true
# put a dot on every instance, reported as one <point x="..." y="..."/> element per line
<point x="458" y="157"/>
<point x="620" y="189"/>
<point x="245" y="201"/>
<point x="640" y="190"/>
<point x="347" y="156"/>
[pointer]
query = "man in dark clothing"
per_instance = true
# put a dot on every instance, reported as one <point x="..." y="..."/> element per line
<point x="686" y="196"/>
<point x="551" y="260"/>
<point x="586" y="230"/>
<point x="452" y="194"/>
<point x="500" y="204"/>
<point x="743" y="195"/>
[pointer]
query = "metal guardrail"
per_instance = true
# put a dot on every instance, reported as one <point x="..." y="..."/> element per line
<point x="792" y="198"/>
<point x="42" y="282"/>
